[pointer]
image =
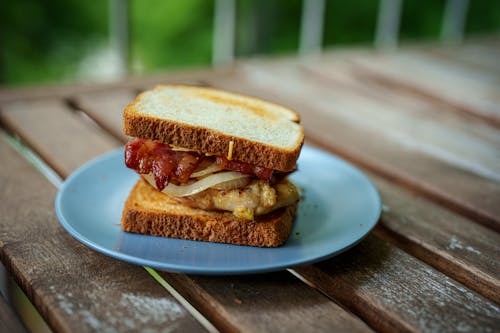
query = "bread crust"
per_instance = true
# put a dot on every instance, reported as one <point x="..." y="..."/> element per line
<point x="149" y="212"/>
<point x="206" y="140"/>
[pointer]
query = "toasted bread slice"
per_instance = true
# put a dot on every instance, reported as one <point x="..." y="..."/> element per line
<point x="150" y="212"/>
<point x="217" y="122"/>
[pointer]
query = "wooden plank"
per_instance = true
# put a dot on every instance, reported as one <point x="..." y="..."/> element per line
<point x="476" y="270"/>
<point x="106" y="108"/>
<point x="465" y="251"/>
<point x="51" y="121"/>
<point x="9" y="322"/>
<point x="73" y="288"/>
<point x="462" y="250"/>
<point x="280" y="294"/>
<point x="480" y="57"/>
<point x="275" y="302"/>
<point x="414" y="122"/>
<point x="465" y="192"/>
<point x="191" y="76"/>
<point x="208" y="293"/>
<point x="466" y="89"/>
<point x="395" y="293"/>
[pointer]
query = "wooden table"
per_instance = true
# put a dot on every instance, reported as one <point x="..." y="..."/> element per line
<point x="422" y="122"/>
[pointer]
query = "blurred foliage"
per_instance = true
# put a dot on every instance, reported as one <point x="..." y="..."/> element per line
<point x="43" y="40"/>
<point x="48" y="40"/>
<point x="350" y="22"/>
<point x="422" y="22"/>
<point x="171" y="33"/>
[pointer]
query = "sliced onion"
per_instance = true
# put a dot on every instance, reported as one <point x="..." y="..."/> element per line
<point x="208" y="170"/>
<point x="197" y="186"/>
<point x="232" y="184"/>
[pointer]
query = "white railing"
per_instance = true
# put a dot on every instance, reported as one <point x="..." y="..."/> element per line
<point x="387" y="30"/>
<point x="119" y="34"/>
<point x="311" y="26"/>
<point x="311" y="30"/>
<point x="453" y="27"/>
<point x="224" y="32"/>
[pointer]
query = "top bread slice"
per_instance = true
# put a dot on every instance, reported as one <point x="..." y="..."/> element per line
<point x="217" y="122"/>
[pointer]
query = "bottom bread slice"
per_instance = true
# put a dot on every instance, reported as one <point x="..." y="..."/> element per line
<point x="150" y="212"/>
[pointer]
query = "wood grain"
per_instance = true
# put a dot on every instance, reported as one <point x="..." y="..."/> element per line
<point x="471" y="91"/>
<point x="426" y="232"/>
<point x="478" y="56"/>
<point x="185" y="76"/>
<point x="280" y="293"/>
<point x="393" y="292"/>
<point x="462" y="250"/>
<point x="463" y="265"/>
<point x="42" y="123"/>
<point x="420" y="124"/>
<point x="461" y="190"/>
<point x="383" y="285"/>
<point x="73" y="288"/>
<point x="275" y="302"/>
<point x="452" y="244"/>
<point x="211" y="296"/>
<point x="105" y="107"/>
<point x="9" y="321"/>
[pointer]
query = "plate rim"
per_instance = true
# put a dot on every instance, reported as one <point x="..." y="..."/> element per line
<point x="190" y="269"/>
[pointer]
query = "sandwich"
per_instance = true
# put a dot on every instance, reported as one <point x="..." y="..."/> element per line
<point x="213" y="166"/>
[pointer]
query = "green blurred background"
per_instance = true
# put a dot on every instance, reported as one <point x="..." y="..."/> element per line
<point x="67" y="40"/>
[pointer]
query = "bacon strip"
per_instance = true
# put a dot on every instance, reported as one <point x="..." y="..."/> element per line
<point x="247" y="169"/>
<point x="148" y="156"/>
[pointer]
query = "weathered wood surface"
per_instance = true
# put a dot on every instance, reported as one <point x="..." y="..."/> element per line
<point x="207" y="295"/>
<point x="478" y="271"/>
<point x="479" y="56"/>
<point x="432" y="154"/>
<point x="394" y="293"/>
<point x="192" y="76"/>
<point x="280" y="292"/>
<point x="9" y="322"/>
<point x="454" y="245"/>
<point x="467" y="89"/>
<point x="421" y="124"/>
<point x="44" y="129"/>
<point x="328" y="117"/>
<point x="106" y="108"/>
<point x="463" y="250"/>
<point x="73" y="288"/>
<point x="275" y="302"/>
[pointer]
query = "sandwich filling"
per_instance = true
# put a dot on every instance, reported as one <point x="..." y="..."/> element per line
<point x="210" y="182"/>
